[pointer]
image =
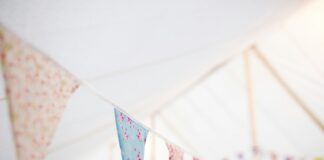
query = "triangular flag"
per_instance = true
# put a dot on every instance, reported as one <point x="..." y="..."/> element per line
<point x="37" y="90"/>
<point x="240" y="156"/>
<point x="132" y="137"/>
<point x="175" y="153"/>
<point x="273" y="156"/>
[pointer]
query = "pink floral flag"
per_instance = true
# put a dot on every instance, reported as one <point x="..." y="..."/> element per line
<point x="37" y="90"/>
<point x="175" y="153"/>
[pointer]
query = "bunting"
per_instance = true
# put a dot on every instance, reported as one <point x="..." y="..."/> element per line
<point x="240" y="156"/>
<point x="37" y="91"/>
<point x="175" y="153"/>
<point x="273" y="156"/>
<point x="132" y="137"/>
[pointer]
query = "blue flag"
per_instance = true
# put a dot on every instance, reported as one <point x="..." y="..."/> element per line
<point x="131" y="136"/>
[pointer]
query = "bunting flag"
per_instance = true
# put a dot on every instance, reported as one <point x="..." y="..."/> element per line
<point x="175" y="153"/>
<point x="240" y="156"/>
<point x="273" y="156"/>
<point x="37" y="91"/>
<point x="132" y="137"/>
<point x="256" y="150"/>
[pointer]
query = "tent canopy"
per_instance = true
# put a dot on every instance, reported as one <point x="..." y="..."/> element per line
<point x="142" y="54"/>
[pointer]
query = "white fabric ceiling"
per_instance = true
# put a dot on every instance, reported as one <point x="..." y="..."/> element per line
<point x="184" y="38"/>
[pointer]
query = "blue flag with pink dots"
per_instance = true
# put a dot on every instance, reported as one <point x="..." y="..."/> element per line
<point x="131" y="136"/>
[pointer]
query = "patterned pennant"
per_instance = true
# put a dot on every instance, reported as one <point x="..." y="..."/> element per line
<point x="256" y="150"/>
<point x="240" y="156"/>
<point x="175" y="153"/>
<point x="37" y="90"/>
<point x="132" y="137"/>
<point x="273" y="156"/>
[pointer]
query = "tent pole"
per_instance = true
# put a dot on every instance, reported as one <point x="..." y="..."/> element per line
<point x="111" y="147"/>
<point x="250" y="100"/>
<point x="288" y="89"/>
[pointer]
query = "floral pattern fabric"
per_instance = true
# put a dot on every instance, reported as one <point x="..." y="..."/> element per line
<point x="37" y="90"/>
<point x="175" y="153"/>
<point x="131" y="136"/>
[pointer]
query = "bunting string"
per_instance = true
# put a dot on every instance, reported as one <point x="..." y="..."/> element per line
<point x="177" y="133"/>
<point x="71" y="84"/>
<point x="98" y="94"/>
